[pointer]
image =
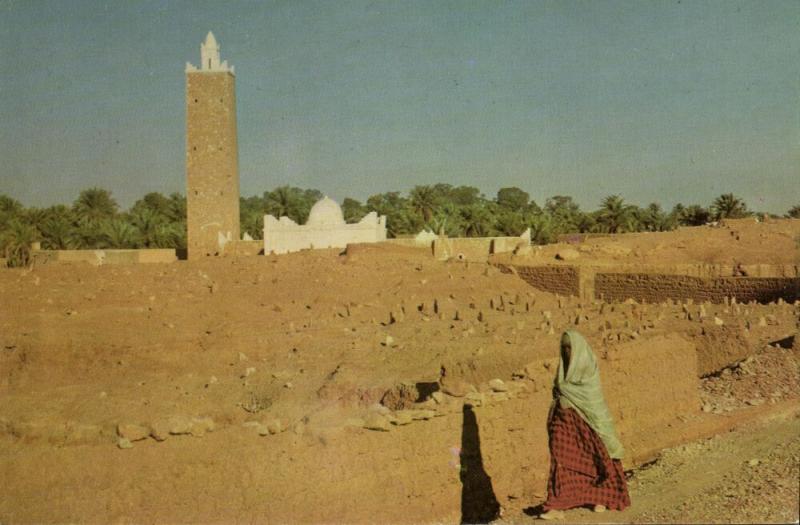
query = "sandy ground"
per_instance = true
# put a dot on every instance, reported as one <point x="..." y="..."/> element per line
<point x="299" y="388"/>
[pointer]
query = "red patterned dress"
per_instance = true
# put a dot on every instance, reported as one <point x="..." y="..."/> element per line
<point x="581" y="471"/>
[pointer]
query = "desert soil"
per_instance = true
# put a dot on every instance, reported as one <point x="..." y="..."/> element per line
<point x="297" y="388"/>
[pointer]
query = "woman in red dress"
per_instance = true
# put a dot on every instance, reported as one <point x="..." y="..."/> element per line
<point x="585" y="453"/>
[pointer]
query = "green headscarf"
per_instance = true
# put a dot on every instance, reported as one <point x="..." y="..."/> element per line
<point x="581" y="390"/>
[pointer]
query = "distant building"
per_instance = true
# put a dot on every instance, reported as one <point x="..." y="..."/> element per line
<point x="212" y="163"/>
<point x="325" y="228"/>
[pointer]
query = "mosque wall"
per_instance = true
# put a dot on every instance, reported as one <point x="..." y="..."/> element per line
<point x="325" y="228"/>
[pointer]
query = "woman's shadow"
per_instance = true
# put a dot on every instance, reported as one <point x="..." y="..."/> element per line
<point x="478" y="501"/>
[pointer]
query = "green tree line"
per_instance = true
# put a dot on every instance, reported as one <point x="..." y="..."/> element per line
<point x="95" y="221"/>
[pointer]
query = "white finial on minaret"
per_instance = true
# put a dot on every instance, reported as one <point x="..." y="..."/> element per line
<point x="209" y="53"/>
<point x="209" y="57"/>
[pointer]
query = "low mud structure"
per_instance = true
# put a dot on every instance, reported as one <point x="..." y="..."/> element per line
<point x="309" y="387"/>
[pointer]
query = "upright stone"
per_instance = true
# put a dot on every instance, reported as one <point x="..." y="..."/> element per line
<point x="212" y="158"/>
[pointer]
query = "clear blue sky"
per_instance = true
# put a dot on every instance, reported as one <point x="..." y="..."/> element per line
<point x="674" y="101"/>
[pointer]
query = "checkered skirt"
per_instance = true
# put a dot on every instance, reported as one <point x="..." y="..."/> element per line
<point x="581" y="471"/>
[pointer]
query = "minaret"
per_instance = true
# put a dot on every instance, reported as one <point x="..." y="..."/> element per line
<point x="212" y="158"/>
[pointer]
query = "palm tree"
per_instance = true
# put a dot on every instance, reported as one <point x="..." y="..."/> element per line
<point x="177" y="207"/>
<point x="512" y="198"/>
<point x="15" y="242"/>
<point x="728" y="206"/>
<point x="542" y="229"/>
<point x="94" y="205"/>
<point x="447" y="220"/>
<point x="614" y="216"/>
<point x="510" y="222"/>
<point x="693" y="215"/>
<point x="59" y="233"/>
<point x="653" y="219"/>
<point x="477" y="220"/>
<point x="119" y="233"/>
<point x="154" y="230"/>
<point x="566" y="214"/>
<point x="424" y="200"/>
<point x="352" y="210"/>
<point x="283" y="201"/>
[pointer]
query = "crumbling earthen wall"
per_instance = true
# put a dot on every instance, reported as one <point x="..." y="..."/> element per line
<point x="98" y="257"/>
<point x="648" y="384"/>
<point x="659" y="287"/>
<point x="244" y="248"/>
<point x="560" y="279"/>
<point x="654" y="287"/>
<point x="476" y="249"/>
<point x="719" y="347"/>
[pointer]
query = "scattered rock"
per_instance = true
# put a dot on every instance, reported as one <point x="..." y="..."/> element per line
<point x="274" y="426"/>
<point x="457" y="387"/>
<point x="201" y="425"/>
<point x="124" y="443"/>
<point x="401" y="396"/>
<point x="132" y="432"/>
<point x="475" y="399"/>
<point x="498" y="385"/>
<point x="376" y="421"/>
<point x="159" y="429"/>
<point x="403" y="417"/>
<point x="180" y="425"/>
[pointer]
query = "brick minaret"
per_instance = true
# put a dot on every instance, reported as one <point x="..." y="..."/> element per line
<point x="212" y="163"/>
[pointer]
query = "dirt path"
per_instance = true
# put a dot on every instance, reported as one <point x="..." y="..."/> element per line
<point x="749" y="475"/>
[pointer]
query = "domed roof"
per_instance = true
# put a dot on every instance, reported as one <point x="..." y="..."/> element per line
<point x="325" y="212"/>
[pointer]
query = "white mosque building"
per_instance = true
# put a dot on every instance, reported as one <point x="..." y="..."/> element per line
<point x="325" y="228"/>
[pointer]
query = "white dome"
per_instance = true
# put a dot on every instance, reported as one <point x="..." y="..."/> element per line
<point x="325" y="212"/>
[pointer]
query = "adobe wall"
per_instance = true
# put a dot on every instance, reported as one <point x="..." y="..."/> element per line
<point x="559" y="279"/>
<point x="476" y="249"/>
<point x="616" y="287"/>
<point x="98" y="257"/>
<point x="244" y="248"/>
<point x="648" y="384"/>
<point x="654" y="284"/>
<point x="409" y="243"/>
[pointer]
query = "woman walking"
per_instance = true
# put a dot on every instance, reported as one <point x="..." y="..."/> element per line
<point x="585" y="453"/>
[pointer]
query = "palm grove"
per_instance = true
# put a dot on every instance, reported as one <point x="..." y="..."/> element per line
<point x="95" y="221"/>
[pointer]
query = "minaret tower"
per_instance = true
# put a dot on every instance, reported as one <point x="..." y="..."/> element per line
<point x="212" y="157"/>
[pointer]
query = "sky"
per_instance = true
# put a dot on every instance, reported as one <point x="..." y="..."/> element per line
<point x="658" y="101"/>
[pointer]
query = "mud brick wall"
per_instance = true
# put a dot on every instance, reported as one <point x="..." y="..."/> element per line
<point x="563" y="280"/>
<point x="659" y="287"/>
